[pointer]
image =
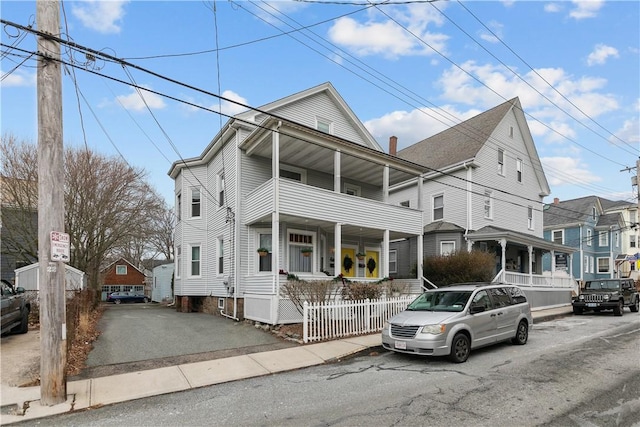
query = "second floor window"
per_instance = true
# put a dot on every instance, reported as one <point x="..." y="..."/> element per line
<point x="589" y="236"/>
<point x="220" y="189"/>
<point x="603" y="238"/>
<point x="530" y="218"/>
<point x="179" y="206"/>
<point x="438" y="207"/>
<point x="558" y="236"/>
<point x="488" y="205"/>
<point x="195" y="202"/>
<point x="500" y="161"/>
<point x="519" y="169"/>
<point x="632" y="241"/>
<point x="121" y="270"/>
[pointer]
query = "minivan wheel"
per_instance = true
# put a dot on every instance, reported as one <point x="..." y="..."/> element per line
<point x="117" y="301"/>
<point x="619" y="309"/>
<point x="460" y="348"/>
<point x="522" y="334"/>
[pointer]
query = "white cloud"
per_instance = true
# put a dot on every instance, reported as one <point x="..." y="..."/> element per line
<point x="228" y="107"/>
<point x="416" y="125"/>
<point x="629" y="133"/>
<point x="383" y="36"/>
<point x="552" y="7"/>
<point x="568" y="170"/>
<point x="134" y="102"/>
<point x="601" y="53"/>
<point x="496" y="28"/>
<point x="586" y="8"/>
<point x="18" y="78"/>
<point x="102" y="16"/>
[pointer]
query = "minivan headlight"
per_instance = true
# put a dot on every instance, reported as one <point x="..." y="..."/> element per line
<point x="433" y="329"/>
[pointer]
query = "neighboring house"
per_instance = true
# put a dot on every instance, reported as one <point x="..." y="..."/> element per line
<point x="626" y="263"/>
<point x="161" y="289"/>
<point x="121" y="275"/>
<point x="301" y="173"/>
<point x="584" y="225"/>
<point x="484" y="190"/>
<point x="29" y="278"/>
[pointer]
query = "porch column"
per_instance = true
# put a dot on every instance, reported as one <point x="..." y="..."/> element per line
<point x="503" y="260"/>
<point x="530" y="250"/>
<point x="385" y="184"/>
<point x="337" y="256"/>
<point x="336" y="171"/>
<point x="385" y="250"/>
<point x="420" y="255"/>
<point x="553" y="264"/>
<point x="420" y="197"/>
<point x="570" y="261"/>
<point x="275" y="225"/>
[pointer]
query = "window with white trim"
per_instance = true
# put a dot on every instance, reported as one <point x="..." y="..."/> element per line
<point x="603" y="265"/>
<point x="586" y="264"/>
<point x="220" y="189"/>
<point x="220" y="245"/>
<point x="589" y="236"/>
<point x="393" y="261"/>
<point x="178" y="260"/>
<point x="530" y="223"/>
<point x="593" y="213"/>
<point x="438" y="207"/>
<point x="298" y="244"/>
<point x="616" y="239"/>
<point x="500" y="161"/>
<point x="179" y="206"/>
<point x="265" y="260"/>
<point x="510" y="131"/>
<point x="603" y="238"/>
<point x="195" y="202"/>
<point x="324" y="125"/>
<point x="632" y="241"/>
<point x="195" y="261"/>
<point x="557" y="236"/>
<point x="121" y="270"/>
<point x="591" y="264"/>
<point x="405" y="204"/>
<point x="294" y="173"/>
<point x="519" y="169"/>
<point x="447" y="247"/>
<point x="488" y="205"/>
<point x="351" y="189"/>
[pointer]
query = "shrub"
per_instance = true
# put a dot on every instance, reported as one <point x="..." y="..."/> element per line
<point x="361" y="290"/>
<point x="316" y="291"/>
<point x="474" y="266"/>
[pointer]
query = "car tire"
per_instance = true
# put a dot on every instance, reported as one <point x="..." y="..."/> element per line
<point x="522" y="334"/>
<point x="578" y="310"/>
<point x="23" y="327"/>
<point x="460" y="348"/>
<point x="146" y="300"/>
<point x="634" y="307"/>
<point x="619" y="309"/>
<point x="117" y="301"/>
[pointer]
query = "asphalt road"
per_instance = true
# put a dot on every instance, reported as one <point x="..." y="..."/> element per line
<point x="144" y="336"/>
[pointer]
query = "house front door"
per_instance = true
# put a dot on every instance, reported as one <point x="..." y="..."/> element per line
<point x="371" y="263"/>
<point x="348" y="263"/>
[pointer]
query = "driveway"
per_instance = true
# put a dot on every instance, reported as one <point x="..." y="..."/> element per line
<point x="146" y="336"/>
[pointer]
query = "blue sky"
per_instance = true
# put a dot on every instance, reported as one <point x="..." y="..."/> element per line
<point x="406" y="69"/>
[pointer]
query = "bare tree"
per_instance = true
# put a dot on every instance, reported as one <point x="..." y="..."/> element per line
<point x="161" y="238"/>
<point x="108" y="203"/>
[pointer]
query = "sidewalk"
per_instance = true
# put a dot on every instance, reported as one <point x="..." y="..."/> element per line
<point x="22" y="403"/>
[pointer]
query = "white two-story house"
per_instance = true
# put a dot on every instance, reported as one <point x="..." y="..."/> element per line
<point x="484" y="190"/>
<point x="302" y="180"/>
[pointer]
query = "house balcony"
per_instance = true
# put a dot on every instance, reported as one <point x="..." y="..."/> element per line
<point x="298" y="200"/>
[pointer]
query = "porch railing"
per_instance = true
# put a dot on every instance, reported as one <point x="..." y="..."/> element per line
<point x="537" y="280"/>
<point x="336" y="319"/>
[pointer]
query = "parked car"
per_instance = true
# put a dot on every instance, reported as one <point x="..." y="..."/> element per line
<point x="455" y="319"/>
<point x="607" y="294"/>
<point x="122" y="297"/>
<point x="15" y="309"/>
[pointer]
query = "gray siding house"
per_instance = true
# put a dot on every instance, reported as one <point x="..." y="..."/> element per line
<point x="302" y="178"/>
<point x="484" y="190"/>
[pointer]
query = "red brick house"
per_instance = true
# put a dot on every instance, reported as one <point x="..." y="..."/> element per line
<point x="121" y="275"/>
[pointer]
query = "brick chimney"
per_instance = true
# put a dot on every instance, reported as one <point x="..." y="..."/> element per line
<point x="393" y="145"/>
<point x="556" y="200"/>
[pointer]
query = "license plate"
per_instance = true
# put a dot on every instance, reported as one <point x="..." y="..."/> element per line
<point x="401" y="345"/>
<point x="591" y="304"/>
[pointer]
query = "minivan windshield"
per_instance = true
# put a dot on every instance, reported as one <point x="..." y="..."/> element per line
<point x="440" y="301"/>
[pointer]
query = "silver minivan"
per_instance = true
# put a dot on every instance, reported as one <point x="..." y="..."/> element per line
<point x="455" y="319"/>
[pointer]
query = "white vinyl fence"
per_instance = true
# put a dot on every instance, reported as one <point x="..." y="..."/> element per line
<point x="335" y="319"/>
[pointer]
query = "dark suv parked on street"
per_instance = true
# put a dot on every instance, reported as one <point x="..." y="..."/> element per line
<point x="607" y="294"/>
<point x="15" y="309"/>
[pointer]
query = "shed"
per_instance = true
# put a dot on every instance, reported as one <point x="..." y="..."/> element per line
<point x="28" y="277"/>
<point x="161" y="288"/>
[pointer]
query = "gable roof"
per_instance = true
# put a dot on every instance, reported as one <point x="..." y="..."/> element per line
<point x="459" y="143"/>
<point x="495" y="233"/>
<point x="571" y="212"/>
<point x="120" y="260"/>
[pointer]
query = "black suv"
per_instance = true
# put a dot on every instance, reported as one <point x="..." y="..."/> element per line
<point x="607" y="294"/>
<point x="15" y="309"/>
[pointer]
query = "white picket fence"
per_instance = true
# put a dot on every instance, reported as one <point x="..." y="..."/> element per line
<point x="336" y="319"/>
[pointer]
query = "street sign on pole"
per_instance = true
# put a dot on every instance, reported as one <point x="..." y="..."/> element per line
<point x="59" y="246"/>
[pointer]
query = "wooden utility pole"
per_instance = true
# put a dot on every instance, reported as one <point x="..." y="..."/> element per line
<point x="53" y="332"/>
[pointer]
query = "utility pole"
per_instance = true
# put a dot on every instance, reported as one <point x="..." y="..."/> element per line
<point x="53" y="333"/>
